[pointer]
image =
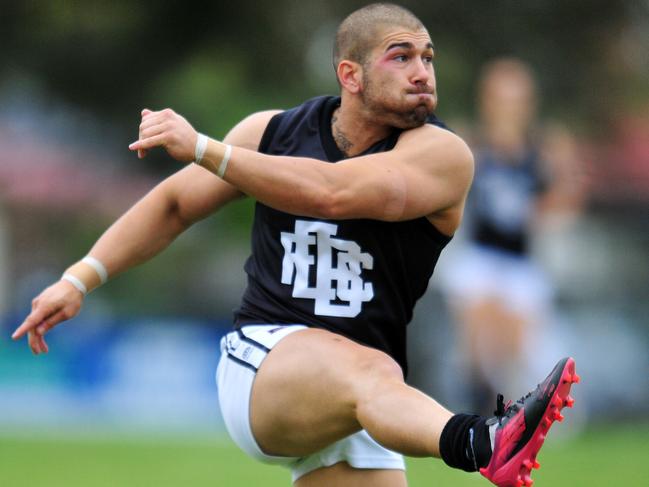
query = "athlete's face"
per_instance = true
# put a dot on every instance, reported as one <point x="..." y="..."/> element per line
<point x="399" y="80"/>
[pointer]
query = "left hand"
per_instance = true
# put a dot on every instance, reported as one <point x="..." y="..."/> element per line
<point x="169" y="130"/>
<point x="59" y="302"/>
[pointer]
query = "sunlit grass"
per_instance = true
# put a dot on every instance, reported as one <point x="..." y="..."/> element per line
<point x="602" y="456"/>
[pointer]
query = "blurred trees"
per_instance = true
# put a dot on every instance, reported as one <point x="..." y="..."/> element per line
<point x="217" y="61"/>
<point x="95" y="63"/>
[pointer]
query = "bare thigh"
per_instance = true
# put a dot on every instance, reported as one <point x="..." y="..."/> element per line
<point x="342" y="475"/>
<point x="305" y="393"/>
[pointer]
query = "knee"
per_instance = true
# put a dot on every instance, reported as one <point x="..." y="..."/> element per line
<point x="375" y="370"/>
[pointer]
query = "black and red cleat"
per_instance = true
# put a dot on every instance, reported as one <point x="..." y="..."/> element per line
<point x="520" y="428"/>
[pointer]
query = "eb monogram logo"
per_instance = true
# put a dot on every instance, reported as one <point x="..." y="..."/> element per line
<point x="337" y="264"/>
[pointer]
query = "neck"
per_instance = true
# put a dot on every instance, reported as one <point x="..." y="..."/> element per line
<point x="354" y="131"/>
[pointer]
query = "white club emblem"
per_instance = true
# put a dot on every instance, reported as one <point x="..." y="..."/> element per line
<point x="339" y="289"/>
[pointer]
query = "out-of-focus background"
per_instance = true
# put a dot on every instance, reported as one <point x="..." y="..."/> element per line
<point x="140" y="358"/>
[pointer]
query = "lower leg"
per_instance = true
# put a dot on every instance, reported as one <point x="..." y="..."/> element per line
<point x="402" y="418"/>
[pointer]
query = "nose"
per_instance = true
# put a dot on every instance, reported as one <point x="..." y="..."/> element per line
<point x="421" y="72"/>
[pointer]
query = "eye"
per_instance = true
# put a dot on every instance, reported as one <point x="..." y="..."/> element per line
<point x="401" y="58"/>
<point x="428" y="56"/>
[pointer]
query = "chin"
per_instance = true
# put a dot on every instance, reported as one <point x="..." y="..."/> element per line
<point x="413" y="118"/>
<point x="399" y="114"/>
<point x="421" y="113"/>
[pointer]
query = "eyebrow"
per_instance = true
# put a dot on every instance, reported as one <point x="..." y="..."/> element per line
<point x="407" y="45"/>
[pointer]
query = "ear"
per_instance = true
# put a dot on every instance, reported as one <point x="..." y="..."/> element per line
<point x="350" y="75"/>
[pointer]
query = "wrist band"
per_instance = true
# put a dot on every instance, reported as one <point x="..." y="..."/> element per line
<point x="76" y="282"/>
<point x="97" y="266"/>
<point x="201" y="145"/>
<point x="199" y="152"/>
<point x="84" y="274"/>
<point x="224" y="162"/>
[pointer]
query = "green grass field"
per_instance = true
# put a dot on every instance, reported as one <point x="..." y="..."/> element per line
<point x="601" y="457"/>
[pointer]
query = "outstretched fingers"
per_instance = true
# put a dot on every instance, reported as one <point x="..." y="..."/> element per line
<point x="153" y="124"/>
<point x="148" y="143"/>
<point x="57" y="303"/>
<point x="167" y="129"/>
<point x="37" y="343"/>
<point x="50" y="322"/>
<point x="36" y="325"/>
<point x="148" y="118"/>
<point x="35" y="318"/>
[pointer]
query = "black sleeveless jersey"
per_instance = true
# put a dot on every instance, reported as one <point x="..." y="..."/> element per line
<point x="359" y="278"/>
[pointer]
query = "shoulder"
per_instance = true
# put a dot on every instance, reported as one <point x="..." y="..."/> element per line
<point x="438" y="149"/>
<point x="249" y="131"/>
<point x="434" y="136"/>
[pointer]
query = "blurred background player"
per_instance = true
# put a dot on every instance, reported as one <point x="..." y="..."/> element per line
<point x="498" y="295"/>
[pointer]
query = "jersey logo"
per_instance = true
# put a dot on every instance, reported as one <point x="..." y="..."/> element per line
<point x="326" y="269"/>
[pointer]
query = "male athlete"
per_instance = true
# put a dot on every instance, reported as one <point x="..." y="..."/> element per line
<point x="356" y="197"/>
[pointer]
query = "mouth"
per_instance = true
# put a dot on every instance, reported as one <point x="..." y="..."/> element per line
<point x="421" y="97"/>
<point x="421" y="90"/>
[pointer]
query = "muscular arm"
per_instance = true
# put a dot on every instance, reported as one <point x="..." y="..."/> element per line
<point x="171" y="207"/>
<point x="144" y="230"/>
<point x="187" y="196"/>
<point x="428" y="173"/>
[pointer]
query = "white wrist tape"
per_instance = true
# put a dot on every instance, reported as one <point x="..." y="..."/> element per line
<point x="201" y="145"/>
<point x="199" y="152"/>
<point x="97" y="266"/>
<point x="224" y="162"/>
<point x="76" y="282"/>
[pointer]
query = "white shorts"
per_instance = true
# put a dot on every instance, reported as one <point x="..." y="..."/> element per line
<point x="242" y="353"/>
<point x="472" y="273"/>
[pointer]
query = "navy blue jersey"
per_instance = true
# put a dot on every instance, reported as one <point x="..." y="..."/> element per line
<point x="359" y="278"/>
<point x="502" y="200"/>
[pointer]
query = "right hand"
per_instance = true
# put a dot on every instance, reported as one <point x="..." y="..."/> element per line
<point x="57" y="303"/>
<point x="167" y="129"/>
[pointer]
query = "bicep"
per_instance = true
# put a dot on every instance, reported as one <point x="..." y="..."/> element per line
<point x="439" y="177"/>
<point x="196" y="192"/>
<point x="419" y="177"/>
